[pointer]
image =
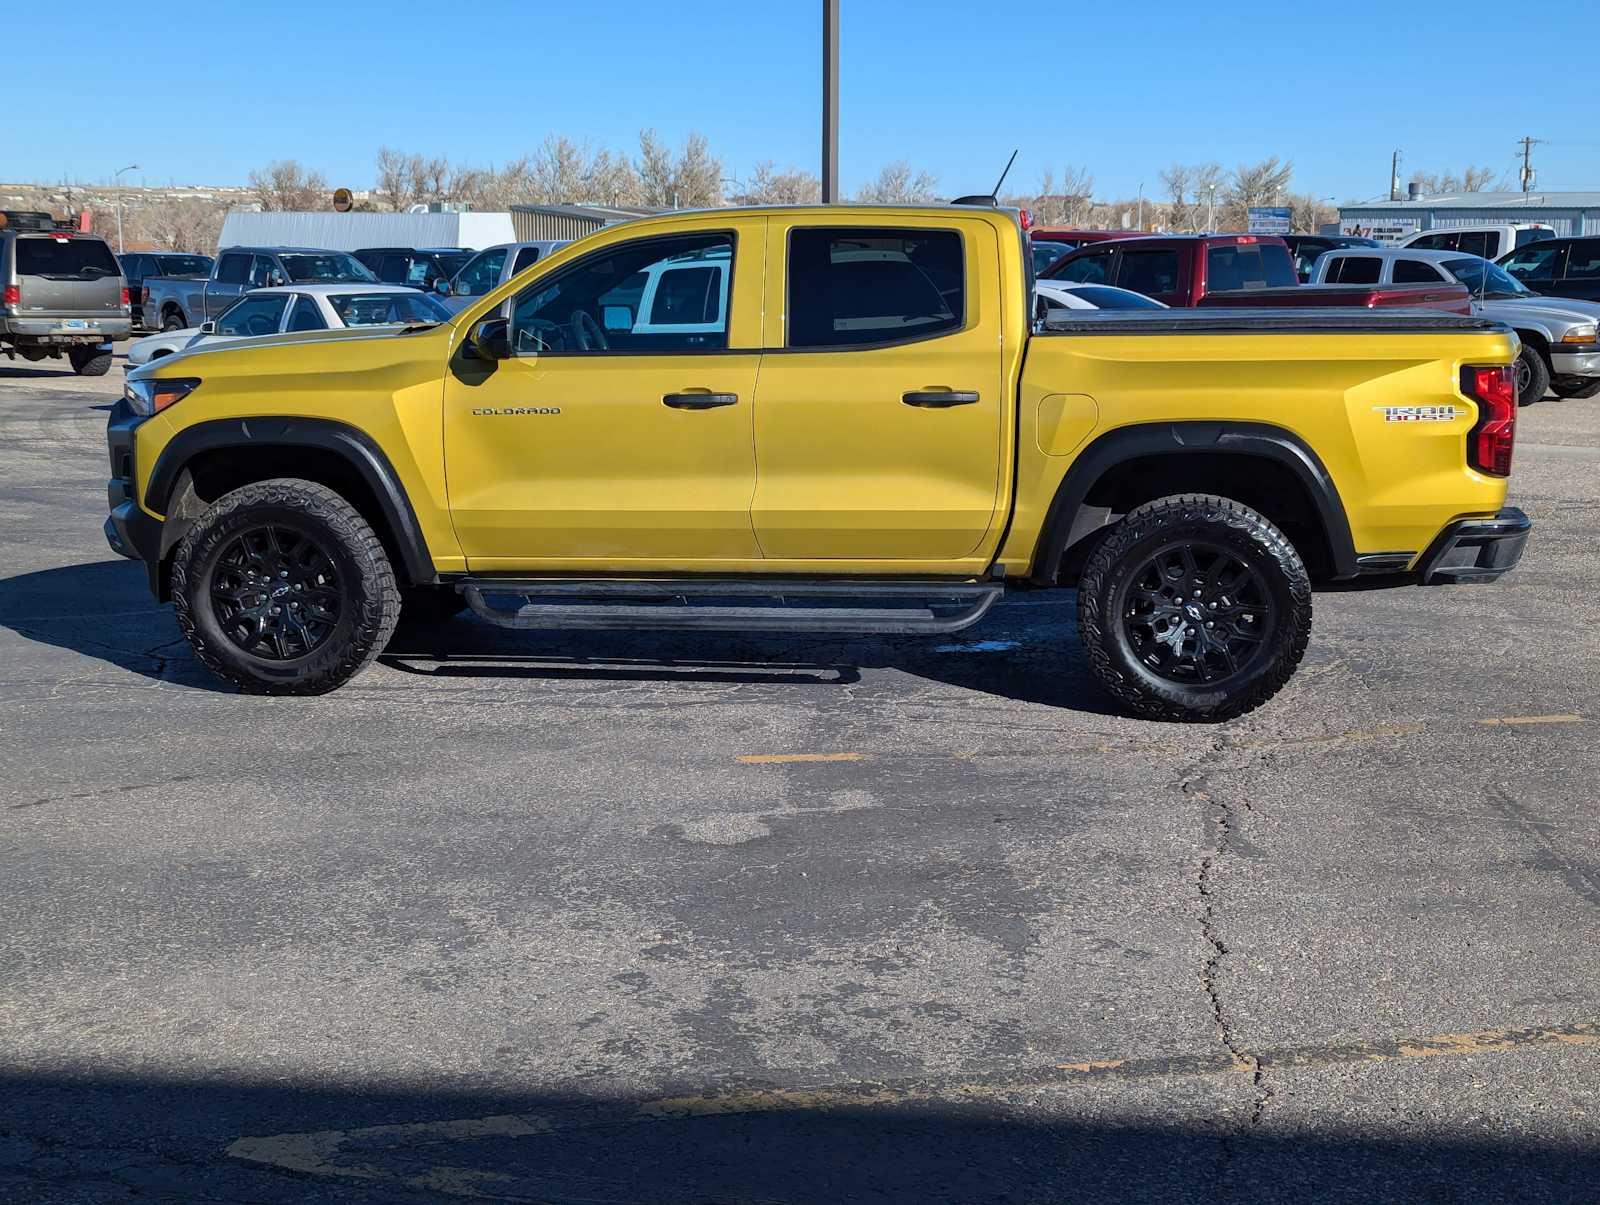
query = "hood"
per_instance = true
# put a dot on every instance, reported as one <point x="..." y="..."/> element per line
<point x="1551" y="311"/>
<point x="232" y="345"/>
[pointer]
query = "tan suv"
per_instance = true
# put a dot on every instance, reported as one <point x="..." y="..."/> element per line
<point x="63" y="292"/>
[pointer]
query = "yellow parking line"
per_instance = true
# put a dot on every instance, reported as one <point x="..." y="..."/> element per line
<point x="1532" y="719"/>
<point x="768" y="759"/>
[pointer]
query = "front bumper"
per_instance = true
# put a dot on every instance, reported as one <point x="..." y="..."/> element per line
<point x="1476" y="550"/>
<point x="130" y="531"/>
<point x="1582" y="360"/>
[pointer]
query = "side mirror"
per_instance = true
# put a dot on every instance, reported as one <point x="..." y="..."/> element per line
<point x="441" y="286"/>
<point x="491" y="339"/>
<point x="208" y="328"/>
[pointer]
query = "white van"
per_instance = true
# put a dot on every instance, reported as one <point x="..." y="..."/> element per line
<point x="1490" y="241"/>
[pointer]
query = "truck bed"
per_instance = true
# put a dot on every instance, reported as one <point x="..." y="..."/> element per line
<point x="1243" y="321"/>
<point x="1453" y="298"/>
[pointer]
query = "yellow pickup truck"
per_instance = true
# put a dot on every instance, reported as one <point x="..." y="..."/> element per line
<point x="834" y="419"/>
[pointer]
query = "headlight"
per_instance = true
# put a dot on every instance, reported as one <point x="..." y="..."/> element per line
<point x="145" y="397"/>
<point x="1581" y="334"/>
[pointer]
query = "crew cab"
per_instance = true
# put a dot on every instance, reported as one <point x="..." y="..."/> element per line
<point x="868" y="433"/>
<point x="1489" y="241"/>
<point x="1560" y="344"/>
<point x="1189" y="270"/>
<point x="1566" y="267"/>
<point x="175" y="303"/>
<point x="414" y="267"/>
<point x="61" y="293"/>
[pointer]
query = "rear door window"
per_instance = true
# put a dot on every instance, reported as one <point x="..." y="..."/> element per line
<point x="1480" y="242"/>
<point x="1090" y="268"/>
<point x="1584" y="260"/>
<point x="1151" y="272"/>
<point x="1416" y="272"/>
<point x="525" y="258"/>
<point x="233" y="269"/>
<point x="865" y="285"/>
<point x="65" y="258"/>
<point x="306" y="316"/>
<point x="1249" y="266"/>
<point x="1354" y="270"/>
<point x="1537" y="235"/>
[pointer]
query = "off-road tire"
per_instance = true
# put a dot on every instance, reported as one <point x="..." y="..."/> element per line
<point x="172" y="322"/>
<point x="1537" y="381"/>
<point x="89" y="363"/>
<point x="370" y="600"/>
<point x="1574" y="387"/>
<point x="1213" y="522"/>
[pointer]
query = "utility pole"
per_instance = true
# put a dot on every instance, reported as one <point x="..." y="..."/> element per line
<point x="830" y="102"/>
<point x="1527" y="145"/>
<point x="1394" y="177"/>
<point x="117" y="178"/>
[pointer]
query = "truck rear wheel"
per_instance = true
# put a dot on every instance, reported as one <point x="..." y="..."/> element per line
<point x="87" y="362"/>
<point x="1194" y="608"/>
<point x="1574" y="387"/>
<point x="283" y="588"/>
<point x="172" y="321"/>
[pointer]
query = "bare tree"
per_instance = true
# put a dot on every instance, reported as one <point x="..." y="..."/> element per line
<point x="654" y="169"/>
<point x="559" y="168"/>
<point x="610" y="179"/>
<point x="896" y="184"/>
<point x="1473" y="179"/>
<point x="1065" y="204"/>
<point x="768" y="186"/>
<point x="285" y="184"/>
<point x="1252" y="184"/>
<point x="185" y="225"/>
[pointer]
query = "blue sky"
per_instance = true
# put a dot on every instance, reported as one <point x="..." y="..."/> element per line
<point x="950" y="85"/>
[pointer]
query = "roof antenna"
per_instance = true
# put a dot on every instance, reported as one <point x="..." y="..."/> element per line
<point x="991" y="199"/>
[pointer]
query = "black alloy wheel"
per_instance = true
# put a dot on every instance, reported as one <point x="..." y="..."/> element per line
<point x="276" y="593"/>
<point x="1196" y="613"/>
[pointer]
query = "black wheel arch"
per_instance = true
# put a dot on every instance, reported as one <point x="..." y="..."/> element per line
<point x="1117" y="448"/>
<point x="171" y="488"/>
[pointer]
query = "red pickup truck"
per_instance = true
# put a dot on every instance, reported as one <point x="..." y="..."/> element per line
<point x="1234" y="270"/>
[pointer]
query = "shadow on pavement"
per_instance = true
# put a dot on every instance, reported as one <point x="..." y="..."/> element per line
<point x="1027" y="650"/>
<point x="109" y="1138"/>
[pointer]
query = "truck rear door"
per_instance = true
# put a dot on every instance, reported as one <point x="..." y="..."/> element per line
<point x="880" y="406"/>
<point x="62" y="276"/>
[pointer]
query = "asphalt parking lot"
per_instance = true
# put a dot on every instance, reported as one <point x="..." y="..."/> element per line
<point x="683" y="919"/>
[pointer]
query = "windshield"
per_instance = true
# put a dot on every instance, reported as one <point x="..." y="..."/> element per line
<point x="65" y="258"/>
<point x="325" y="267"/>
<point x="1046" y="253"/>
<point x="379" y="309"/>
<point x="184" y="265"/>
<point x="1486" y="279"/>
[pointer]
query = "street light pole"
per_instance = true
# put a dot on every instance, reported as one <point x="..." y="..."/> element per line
<point x="830" y="102"/>
<point x="117" y="179"/>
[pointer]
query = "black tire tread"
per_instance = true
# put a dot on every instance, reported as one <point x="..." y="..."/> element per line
<point x="1140" y="524"/>
<point x="1538" y="376"/>
<point x="96" y="365"/>
<point x="374" y="626"/>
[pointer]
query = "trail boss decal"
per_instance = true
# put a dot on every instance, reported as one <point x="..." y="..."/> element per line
<point x="499" y="410"/>
<point x="1417" y="414"/>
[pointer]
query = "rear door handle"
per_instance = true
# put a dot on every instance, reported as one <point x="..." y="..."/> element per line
<point x="939" y="397"/>
<point x="699" y="401"/>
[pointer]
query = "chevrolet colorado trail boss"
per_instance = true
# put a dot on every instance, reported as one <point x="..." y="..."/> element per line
<point x="836" y="419"/>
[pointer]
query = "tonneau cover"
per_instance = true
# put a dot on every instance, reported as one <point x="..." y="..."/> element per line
<point x="1308" y="321"/>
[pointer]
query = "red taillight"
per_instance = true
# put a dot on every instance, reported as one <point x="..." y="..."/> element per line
<point x="124" y="296"/>
<point x="1027" y="219"/>
<point x="1490" y="440"/>
<point x="13" y="295"/>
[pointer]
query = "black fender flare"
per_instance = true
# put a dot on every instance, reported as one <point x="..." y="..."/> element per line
<point x="1123" y="444"/>
<point x="358" y="449"/>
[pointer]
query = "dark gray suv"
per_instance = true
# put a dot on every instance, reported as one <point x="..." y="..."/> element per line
<point x="63" y="293"/>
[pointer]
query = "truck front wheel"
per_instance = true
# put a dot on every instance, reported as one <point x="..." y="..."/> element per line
<point x="283" y="588"/>
<point x="1194" y="608"/>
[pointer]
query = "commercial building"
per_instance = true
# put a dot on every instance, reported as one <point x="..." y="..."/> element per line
<point x="1564" y="212"/>
<point x="351" y="231"/>
<point x="533" y="222"/>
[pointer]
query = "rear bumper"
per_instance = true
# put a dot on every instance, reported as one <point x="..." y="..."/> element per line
<point x="1476" y="550"/>
<point x="55" y="331"/>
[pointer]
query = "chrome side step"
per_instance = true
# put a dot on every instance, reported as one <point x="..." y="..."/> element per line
<point x="878" y="608"/>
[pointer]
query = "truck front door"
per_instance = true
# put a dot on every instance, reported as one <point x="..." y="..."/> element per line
<point x="879" y="413"/>
<point x="614" y="438"/>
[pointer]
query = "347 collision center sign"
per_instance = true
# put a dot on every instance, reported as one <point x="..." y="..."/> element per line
<point x="1385" y="230"/>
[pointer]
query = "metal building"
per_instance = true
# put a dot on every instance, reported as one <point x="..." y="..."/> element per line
<point x="533" y="222"/>
<point x="1564" y="212"/>
<point x="351" y="231"/>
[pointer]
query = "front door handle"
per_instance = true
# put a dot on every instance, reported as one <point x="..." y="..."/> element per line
<point x="939" y="397"/>
<point x="692" y="400"/>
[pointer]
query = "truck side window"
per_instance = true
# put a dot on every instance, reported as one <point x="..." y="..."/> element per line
<point x="1415" y="272"/>
<point x="1354" y="270"/>
<point x="1149" y="272"/>
<point x="1480" y="242"/>
<point x="525" y="258"/>
<point x="1534" y="263"/>
<point x="261" y="272"/>
<point x="639" y="296"/>
<point x="1093" y="268"/>
<point x="864" y="284"/>
<point x="234" y="269"/>
<point x="481" y="274"/>
<point x="1584" y="260"/>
